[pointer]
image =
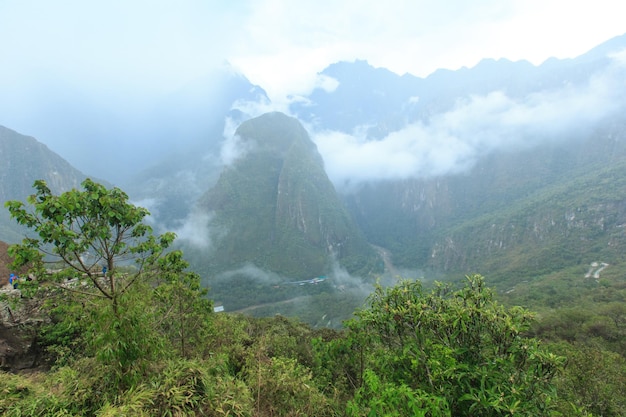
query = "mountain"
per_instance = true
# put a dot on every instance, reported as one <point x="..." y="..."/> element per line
<point x="538" y="184"/>
<point x="24" y="161"/>
<point x="193" y="123"/>
<point x="275" y="207"/>
<point x="364" y="96"/>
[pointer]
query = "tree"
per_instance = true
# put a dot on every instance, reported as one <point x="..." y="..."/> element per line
<point x="183" y="310"/>
<point x="455" y="353"/>
<point x="94" y="233"/>
<point x="594" y="379"/>
<point x="100" y="241"/>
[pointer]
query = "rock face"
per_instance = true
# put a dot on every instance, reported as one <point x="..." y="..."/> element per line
<point x="275" y="207"/>
<point x="18" y="348"/>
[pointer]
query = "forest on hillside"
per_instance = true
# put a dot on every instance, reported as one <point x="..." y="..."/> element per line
<point x="122" y="327"/>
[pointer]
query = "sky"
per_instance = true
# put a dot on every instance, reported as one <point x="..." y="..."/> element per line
<point x="149" y="45"/>
<point x="121" y="54"/>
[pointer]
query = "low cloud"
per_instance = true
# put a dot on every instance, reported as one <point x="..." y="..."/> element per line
<point x="253" y="272"/>
<point x="253" y="108"/>
<point x="234" y="148"/>
<point x="150" y="204"/>
<point x="326" y="83"/>
<point x="343" y="281"/>
<point x="195" y="230"/>
<point x="453" y="141"/>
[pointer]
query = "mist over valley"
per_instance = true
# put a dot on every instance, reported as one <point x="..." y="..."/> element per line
<point x="508" y="169"/>
<point x="263" y="208"/>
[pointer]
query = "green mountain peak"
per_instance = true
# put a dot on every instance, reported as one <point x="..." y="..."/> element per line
<point x="275" y="207"/>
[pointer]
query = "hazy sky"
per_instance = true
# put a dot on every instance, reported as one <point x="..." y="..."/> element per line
<point x="158" y="45"/>
<point x="87" y="77"/>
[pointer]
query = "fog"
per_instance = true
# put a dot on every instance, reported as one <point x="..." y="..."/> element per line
<point x="115" y="86"/>
<point x="113" y="134"/>
<point x="253" y="272"/>
<point x="453" y="141"/>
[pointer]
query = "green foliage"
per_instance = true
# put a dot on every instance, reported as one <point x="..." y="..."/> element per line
<point x="64" y="392"/>
<point x="441" y="352"/>
<point x="183" y="311"/>
<point x="460" y="346"/>
<point x="63" y="335"/>
<point x="285" y="388"/>
<point x="87" y="231"/>
<point x="175" y="387"/>
<point x="593" y="380"/>
<point x="554" y="226"/>
<point x="125" y="341"/>
<point x="95" y="233"/>
<point x="377" y="398"/>
<point x="339" y="363"/>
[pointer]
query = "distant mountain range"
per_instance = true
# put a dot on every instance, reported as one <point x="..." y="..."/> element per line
<point x="385" y="101"/>
<point x="507" y="169"/>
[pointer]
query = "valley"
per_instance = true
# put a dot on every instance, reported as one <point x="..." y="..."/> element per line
<point x="323" y="209"/>
<point x="329" y="243"/>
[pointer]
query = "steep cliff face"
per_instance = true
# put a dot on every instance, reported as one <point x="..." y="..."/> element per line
<point x="275" y="207"/>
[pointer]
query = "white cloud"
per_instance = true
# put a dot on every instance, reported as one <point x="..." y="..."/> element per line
<point x="251" y="271"/>
<point x="619" y="57"/>
<point x="453" y="141"/>
<point x="119" y="57"/>
<point x="326" y="83"/>
<point x="195" y="230"/>
<point x="234" y="148"/>
<point x="150" y="204"/>
<point x="415" y="36"/>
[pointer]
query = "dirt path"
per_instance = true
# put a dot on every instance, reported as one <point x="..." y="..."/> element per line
<point x="595" y="268"/>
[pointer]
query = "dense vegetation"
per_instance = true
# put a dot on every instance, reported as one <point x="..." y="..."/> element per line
<point x="515" y="216"/>
<point x="141" y="338"/>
